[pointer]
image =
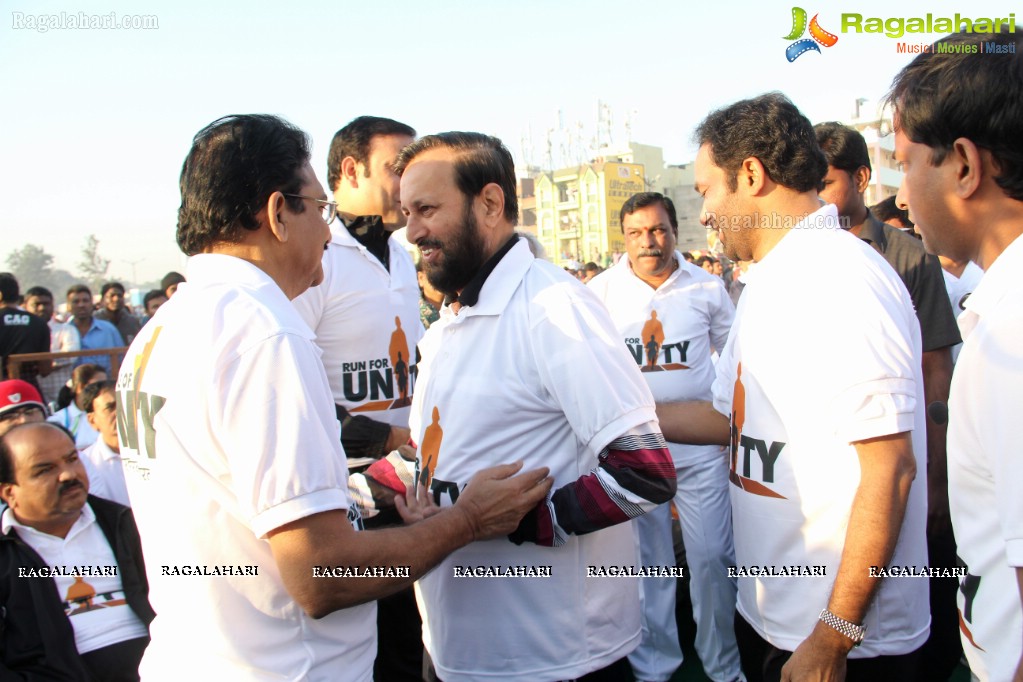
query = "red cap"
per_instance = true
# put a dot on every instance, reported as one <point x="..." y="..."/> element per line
<point x="15" y="393"/>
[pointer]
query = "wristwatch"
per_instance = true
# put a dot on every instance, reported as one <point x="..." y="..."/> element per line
<point x="854" y="632"/>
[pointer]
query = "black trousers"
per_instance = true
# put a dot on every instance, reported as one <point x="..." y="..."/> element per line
<point x="762" y="662"/>
<point x="399" y="639"/>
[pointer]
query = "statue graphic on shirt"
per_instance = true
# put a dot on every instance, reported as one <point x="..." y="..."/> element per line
<point x="79" y="596"/>
<point x="429" y="450"/>
<point x="738" y="419"/>
<point x="401" y="376"/>
<point x="653" y="337"/>
<point x="398" y="350"/>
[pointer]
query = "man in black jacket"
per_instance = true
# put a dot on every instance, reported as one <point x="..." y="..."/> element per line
<point x="69" y="565"/>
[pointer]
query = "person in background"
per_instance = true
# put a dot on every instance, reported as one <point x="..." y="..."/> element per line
<point x="170" y="282"/>
<point x="113" y="310"/>
<point x="73" y="417"/>
<point x="152" y="302"/>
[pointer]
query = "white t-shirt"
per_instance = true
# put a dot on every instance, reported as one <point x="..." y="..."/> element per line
<point x="353" y="315"/>
<point x="985" y="470"/>
<point x="106" y="475"/>
<point x="807" y="371"/>
<point x="534" y="371"/>
<point x="94" y="601"/>
<point x="689" y="316"/>
<point x="959" y="289"/>
<point x="228" y="433"/>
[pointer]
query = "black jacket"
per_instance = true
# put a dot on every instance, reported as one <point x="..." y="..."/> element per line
<point x="37" y="641"/>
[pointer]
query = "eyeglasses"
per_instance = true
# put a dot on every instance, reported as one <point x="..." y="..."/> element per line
<point x="22" y="413"/>
<point x="328" y="210"/>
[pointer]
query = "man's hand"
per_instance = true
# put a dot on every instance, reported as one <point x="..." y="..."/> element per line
<point x="416" y="504"/>
<point x="495" y="500"/>
<point x="399" y="437"/>
<point x="821" y="656"/>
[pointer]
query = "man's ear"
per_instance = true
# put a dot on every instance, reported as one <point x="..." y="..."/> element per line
<point x="276" y="218"/>
<point x="969" y="167"/>
<point x="91" y="418"/>
<point x="752" y="176"/>
<point x="492" y="198"/>
<point x="6" y="493"/>
<point x="350" y="171"/>
<point x="861" y="179"/>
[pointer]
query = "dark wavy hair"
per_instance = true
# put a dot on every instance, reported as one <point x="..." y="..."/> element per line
<point x="235" y="164"/>
<point x="354" y="139"/>
<point x="772" y="129"/>
<point x="480" y="160"/>
<point x="942" y="96"/>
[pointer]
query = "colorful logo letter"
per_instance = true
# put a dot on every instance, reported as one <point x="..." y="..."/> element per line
<point x="817" y="35"/>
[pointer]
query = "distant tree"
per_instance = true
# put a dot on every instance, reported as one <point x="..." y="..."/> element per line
<point x="34" y="267"/>
<point x="93" y="267"/>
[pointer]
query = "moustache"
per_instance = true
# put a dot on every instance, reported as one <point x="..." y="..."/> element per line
<point x="429" y="244"/>
<point x="69" y="485"/>
<point x="650" y="252"/>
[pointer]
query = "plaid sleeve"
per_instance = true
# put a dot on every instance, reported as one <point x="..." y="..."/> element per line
<point x="634" y="474"/>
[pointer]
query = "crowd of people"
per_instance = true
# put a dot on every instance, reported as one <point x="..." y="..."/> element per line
<point x="322" y="459"/>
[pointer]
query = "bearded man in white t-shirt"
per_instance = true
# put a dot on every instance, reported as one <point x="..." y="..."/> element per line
<point x="958" y="132"/>
<point x="231" y="449"/>
<point x="524" y="361"/>
<point x="824" y="388"/>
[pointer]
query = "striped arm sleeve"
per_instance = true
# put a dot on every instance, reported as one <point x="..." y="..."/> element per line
<point x="634" y="474"/>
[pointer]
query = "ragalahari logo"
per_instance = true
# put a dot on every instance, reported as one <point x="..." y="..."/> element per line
<point x="817" y="35"/>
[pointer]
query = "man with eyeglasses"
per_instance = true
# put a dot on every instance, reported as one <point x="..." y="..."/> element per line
<point x="366" y="319"/>
<point x="231" y="448"/>
<point x="20" y="403"/>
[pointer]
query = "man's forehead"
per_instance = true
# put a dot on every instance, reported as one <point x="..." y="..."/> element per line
<point x="311" y="186"/>
<point x="431" y="170"/>
<point x="37" y="443"/>
<point x="388" y="144"/>
<point x="652" y="215"/>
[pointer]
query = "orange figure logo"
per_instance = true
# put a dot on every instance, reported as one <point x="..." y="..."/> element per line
<point x="652" y="337"/>
<point x="430" y="449"/>
<point x="737" y="439"/>
<point x="398" y="351"/>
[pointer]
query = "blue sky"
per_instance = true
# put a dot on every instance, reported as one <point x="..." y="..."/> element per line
<point x="96" y="123"/>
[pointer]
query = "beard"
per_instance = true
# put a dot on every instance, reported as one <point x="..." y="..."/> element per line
<point x="462" y="256"/>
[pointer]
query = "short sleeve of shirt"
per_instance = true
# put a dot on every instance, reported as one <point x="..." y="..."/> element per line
<point x="587" y="369"/>
<point x="722" y="316"/>
<point x="280" y="433"/>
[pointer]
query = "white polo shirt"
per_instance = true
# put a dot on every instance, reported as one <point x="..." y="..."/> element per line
<point x="228" y="432"/>
<point x="534" y="371"/>
<point x="825" y="352"/>
<point x="689" y="315"/>
<point x="94" y="601"/>
<point x="985" y="470"/>
<point x="106" y="475"/>
<point x="353" y="315"/>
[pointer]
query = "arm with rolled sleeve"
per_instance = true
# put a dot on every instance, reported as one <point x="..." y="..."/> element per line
<point x="590" y="376"/>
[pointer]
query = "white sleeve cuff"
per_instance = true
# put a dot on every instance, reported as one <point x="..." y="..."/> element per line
<point x="298" y="508"/>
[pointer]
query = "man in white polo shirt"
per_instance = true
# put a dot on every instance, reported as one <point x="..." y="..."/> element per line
<point x="958" y="127"/>
<point x="231" y="448"/>
<point x="654" y="294"/>
<point x="364" y="314"/>
<point x="823" y="385"/>
<point x="525" y="363"/>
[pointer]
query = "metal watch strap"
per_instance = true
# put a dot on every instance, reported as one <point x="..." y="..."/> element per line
<point x="854" y="632"/>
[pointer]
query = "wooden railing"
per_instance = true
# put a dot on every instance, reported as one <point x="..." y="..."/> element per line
<point x="14" y="362"/>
